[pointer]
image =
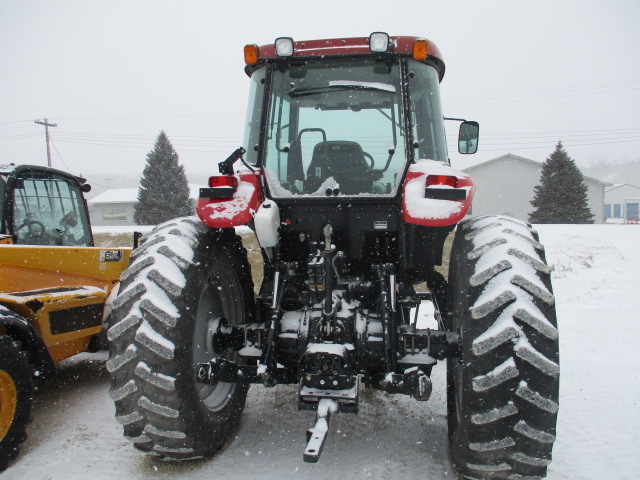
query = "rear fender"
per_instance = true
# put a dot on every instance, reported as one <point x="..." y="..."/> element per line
<point x="19" y="329"/>
<point x="237" y="210"/>
<point x="417" y="209"/>
<point x="66" y="318"/>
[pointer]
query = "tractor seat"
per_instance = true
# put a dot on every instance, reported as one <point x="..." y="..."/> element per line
<point x="342" y="160"/>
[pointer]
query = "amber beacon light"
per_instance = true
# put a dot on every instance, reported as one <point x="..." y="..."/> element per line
<point x="420" y="49"/>
<point x="250" y="54"/>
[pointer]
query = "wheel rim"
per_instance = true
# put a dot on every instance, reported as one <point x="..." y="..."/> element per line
<point x="213" y="305"/>
<point x="8" y="402"/>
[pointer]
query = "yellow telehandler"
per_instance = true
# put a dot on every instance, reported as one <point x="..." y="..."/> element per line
<point x="54" y="287"/>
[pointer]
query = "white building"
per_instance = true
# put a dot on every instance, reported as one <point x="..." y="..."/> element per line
<point x="114" y="207"/>
<point x="622" y="201"/>
<point x="504" y="186"/>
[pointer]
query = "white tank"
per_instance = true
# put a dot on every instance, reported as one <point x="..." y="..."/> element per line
<point x="267" y="222"/>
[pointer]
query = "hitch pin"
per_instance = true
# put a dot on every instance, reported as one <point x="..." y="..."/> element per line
<point x="317" y="435"/>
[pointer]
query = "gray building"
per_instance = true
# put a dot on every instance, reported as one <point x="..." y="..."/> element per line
<point x="504" y="186"/>
<point x="114" y="207"/>
<point x="622" y="202"/>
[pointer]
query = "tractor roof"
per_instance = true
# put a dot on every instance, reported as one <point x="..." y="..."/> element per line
<point x="345" y="47"/>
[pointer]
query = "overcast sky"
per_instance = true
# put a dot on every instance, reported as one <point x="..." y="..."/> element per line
<point x="112" y="74"/>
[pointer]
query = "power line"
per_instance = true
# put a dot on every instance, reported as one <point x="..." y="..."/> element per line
<point x="18" y="137"/>
<point x="153" y="117"/>
<point x="221" y="149"/>
<point x="15" y="121"/>
<point x="548" y="145"/>
<point x="60" y="156"/>
<point x="566" y="133"/>
<point x="607" y="140"/>
<point x="549" y="93"/>
<point x="148" y="142"/>
<point x="145" y="137"/>
<point x="141" y="119"/>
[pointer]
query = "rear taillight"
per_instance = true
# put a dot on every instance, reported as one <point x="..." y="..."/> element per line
<point x="442" y="180"/>
<point x="223" y="181"/>
<point x="220" y="187"/>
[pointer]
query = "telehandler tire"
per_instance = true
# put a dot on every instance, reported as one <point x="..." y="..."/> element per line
<point x="16" y="397"/>
<point x="182" y="280"/>
<point x="502" y="394"/>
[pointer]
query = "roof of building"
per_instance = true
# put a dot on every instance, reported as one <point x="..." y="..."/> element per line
<point x="502" y="157"/>
<point x="526" y="160"/>
<point x="130" y="195"/>
<point x="618" y="185"/>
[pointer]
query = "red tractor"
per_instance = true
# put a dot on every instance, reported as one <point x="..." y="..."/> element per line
<point x="345" y="178"/>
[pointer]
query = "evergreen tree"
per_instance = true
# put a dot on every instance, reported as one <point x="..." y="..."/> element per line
<point x="164" y="190"/>
<point x="561" y="195"/>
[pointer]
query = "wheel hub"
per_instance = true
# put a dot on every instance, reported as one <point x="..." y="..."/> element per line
<point x="210" y="319"/>
<point x="8" y="402"/>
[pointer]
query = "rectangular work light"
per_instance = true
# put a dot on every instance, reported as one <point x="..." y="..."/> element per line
<point x="284" y="46"/>
<point x="379" y="42"/>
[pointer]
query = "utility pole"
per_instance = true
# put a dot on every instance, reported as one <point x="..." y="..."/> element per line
<point x="46" y="132"/>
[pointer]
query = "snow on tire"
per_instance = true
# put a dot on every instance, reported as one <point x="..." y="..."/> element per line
<point x="502" y="394"/>
<point x="182" y="279"/>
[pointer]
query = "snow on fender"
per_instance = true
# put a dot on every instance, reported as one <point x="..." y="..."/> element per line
<point x="235" y="211"/>
<point x="447" y="210"/>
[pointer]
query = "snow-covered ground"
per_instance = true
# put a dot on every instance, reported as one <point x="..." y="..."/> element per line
<point x="597" y="286"/>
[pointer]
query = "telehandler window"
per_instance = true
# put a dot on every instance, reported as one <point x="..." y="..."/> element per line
<point x="49" y="211"/>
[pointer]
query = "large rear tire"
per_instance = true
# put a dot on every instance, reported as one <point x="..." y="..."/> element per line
<point x="182" y="280"/>
<point x="16" y="396"/>
<point x="502" y="395"/>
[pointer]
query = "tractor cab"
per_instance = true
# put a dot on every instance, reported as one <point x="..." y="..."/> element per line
<point x="326" y="124"/>
<point x="335" y="129"/>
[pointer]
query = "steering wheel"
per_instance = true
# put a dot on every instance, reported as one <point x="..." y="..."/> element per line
<point x="369" y="157"/>
<point x="34" y="237"/>
<point x="29" y="223"/>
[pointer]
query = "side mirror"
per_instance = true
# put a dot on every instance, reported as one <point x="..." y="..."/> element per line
<point x="468" y="137"/>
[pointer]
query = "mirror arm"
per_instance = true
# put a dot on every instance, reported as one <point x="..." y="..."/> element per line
<point x="455" y="119"/>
